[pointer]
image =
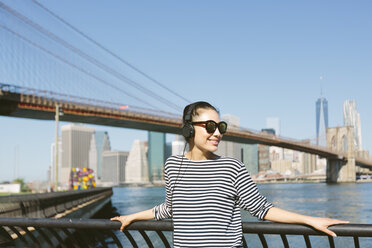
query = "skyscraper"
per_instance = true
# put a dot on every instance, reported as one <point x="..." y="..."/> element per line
<point x="264" y="152"/>
<point x="75" y="149"/>
<point x="156" y="155"/>
<point x="178" y="145"/>
<point x="229" y="148"/>
<point x="53" y="162"/>
<point x="274" y="123"/>
<point x="99" y="143"/>
<point x="137" y="169"/>
<point x="113" y="167"/>
<point x="352" y="118"/>
<point x="321" y="108"/>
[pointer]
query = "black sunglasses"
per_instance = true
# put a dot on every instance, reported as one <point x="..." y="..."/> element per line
<point x="211" y="126"/>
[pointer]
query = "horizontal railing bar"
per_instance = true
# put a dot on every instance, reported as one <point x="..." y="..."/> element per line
<point x="360" y="230"/>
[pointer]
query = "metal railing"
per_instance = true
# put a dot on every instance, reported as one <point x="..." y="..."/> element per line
<point x="48" y="204"/>
<point x="32" y="232"/>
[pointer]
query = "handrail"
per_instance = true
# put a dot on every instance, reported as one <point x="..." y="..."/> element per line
<point x="98" y="232"/>
<point x="48" y="204"/>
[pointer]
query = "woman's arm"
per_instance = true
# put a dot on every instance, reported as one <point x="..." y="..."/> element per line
<point x="127" y="219"/>
<point x="279" y="215"/>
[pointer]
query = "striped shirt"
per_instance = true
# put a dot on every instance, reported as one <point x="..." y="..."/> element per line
<point x="204" y="199"/>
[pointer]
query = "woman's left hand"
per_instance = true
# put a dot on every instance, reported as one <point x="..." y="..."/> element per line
<point x="322" y="224"/>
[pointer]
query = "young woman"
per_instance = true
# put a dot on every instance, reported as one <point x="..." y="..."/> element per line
<point x="204" y="191"/>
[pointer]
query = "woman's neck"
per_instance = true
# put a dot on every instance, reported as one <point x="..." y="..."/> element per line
<point x="199" y="155"/>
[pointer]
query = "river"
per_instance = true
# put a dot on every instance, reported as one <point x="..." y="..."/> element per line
<point x="352" y="202"/>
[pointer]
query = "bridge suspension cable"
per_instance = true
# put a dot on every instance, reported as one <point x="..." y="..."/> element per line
<point x="110" y="52"/>
<point x="72" y="65"/>
<point x="92" y="60"/>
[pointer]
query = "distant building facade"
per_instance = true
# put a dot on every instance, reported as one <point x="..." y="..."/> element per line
<point x="113" y="167"/>
<point x="75" y="149"/>
<point x="321" y="109"/>
<point x="229" y="148"/>
<point x="99" y="143"/>
<point x="273" y="123"/>
<point x="264" y="152"/>
<point x="178" y="145"/>
<point x="52" y="173"/>
<point x="250" y="157"/>
<point x="136" y="169"/>
<point x="156" y="155"/>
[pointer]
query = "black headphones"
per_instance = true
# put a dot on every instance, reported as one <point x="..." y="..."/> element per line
<point x="187" y="128"/>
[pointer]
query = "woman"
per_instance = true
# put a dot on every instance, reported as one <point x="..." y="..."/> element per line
<point x="204" y="191"/>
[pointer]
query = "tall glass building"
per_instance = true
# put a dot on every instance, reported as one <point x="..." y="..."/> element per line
<point x="156" y="155"/>
<point x="99" y="143"/>
<point x="321" y="108"/>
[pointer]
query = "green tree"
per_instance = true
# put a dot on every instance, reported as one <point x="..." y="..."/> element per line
<point x="24" y="186"/>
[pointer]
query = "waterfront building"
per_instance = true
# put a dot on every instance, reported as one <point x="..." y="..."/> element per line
<point x="352" y="118"/>
<point x="136" y="169"/>
<point x="263" y="158"/>
<point x="229" y="148"/>
<point x="321" y="108"/>
<point x="276" y="153"/>
<point x="310" y="163"/>
<point x="99" y="143"/>
<point x="156" y="155"/>
<point x="113" y="167"/>
<point x="168" y="150"/>
<point x="264" y="152"/>
<point x="178" y="145"/>
<point x="75" y="149"/>
<point x="281" y="166"/>
<point x="250" y="157"/>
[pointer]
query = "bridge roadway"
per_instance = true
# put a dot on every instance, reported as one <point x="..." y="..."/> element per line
<point x="37" y="104"/>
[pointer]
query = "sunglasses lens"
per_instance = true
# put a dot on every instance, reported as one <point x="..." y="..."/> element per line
<point x="222" y="127"/>
<point x="210" y="126"/>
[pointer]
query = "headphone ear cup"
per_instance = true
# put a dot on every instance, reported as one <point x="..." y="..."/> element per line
<point x="188" y="130"/>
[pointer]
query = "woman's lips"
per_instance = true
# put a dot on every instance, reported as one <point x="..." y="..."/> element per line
<point x="214" y="142"/>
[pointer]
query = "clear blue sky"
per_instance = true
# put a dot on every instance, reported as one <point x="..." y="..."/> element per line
<point x="252" y="59"/>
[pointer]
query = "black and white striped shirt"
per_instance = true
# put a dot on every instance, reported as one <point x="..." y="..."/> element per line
<point x="204" y="199"/>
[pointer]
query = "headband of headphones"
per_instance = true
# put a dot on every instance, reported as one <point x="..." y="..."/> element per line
<point x="188" y="116"/>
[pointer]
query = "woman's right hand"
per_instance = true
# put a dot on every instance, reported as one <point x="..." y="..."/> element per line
<point x="125" y="221"/>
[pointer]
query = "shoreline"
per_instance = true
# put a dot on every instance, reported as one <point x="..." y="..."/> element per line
<point x="149" y="185"/>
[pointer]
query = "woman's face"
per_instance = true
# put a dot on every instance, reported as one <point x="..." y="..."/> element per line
<point x="204" y="141"/>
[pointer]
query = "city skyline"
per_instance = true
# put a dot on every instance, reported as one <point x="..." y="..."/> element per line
<point x="250" y="60"/>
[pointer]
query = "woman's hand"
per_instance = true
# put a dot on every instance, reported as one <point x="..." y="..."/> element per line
<point x="125" y="221"/>
<point x="322" y="224"/>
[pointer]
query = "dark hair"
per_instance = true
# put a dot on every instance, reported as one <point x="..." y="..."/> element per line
<point x="195" y="107"/>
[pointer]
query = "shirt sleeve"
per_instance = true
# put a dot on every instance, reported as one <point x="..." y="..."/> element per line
<point x="164" y="210"/>
<point x="248" y="197"/>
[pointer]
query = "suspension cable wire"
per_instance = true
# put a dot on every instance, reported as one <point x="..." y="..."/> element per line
<point x="89" y="58"/>
<point x="110" y="52"/>
<point x="73" y="65"/>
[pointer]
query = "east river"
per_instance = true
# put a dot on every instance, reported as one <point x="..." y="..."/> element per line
<point x="352" y="202"/>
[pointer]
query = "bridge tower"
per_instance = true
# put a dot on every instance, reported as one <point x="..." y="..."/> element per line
<point x="341" y="139"/>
